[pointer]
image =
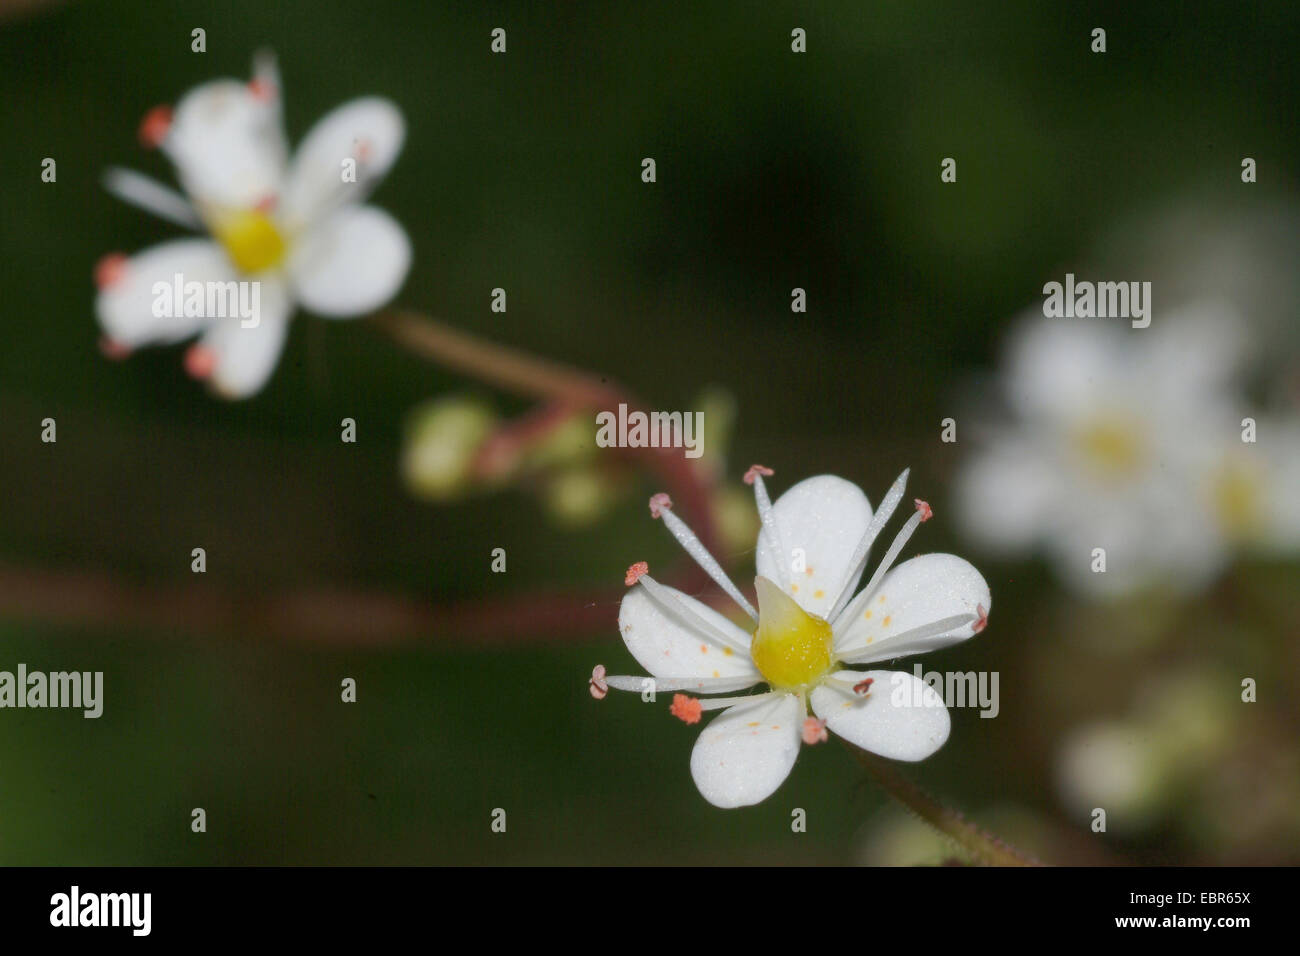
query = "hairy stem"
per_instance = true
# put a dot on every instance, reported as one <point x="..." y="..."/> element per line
<point x="986" y="847"/>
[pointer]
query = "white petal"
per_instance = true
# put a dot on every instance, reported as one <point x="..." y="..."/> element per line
<point x="668" y="647"/>
<point x="351" y="263"/>
<point x="1059" y="368"/>
<point x="747" y="751"/>
<point x="920" y="591"/>
<point x="126" y="307"/>
<point x="1006" y="497"/>
<point x="368" y="130"/>
<point x="825" y="518"/>
<point x="227" y="145"/>
<point x="246" y="357"/>
<point x="902" y="718"/>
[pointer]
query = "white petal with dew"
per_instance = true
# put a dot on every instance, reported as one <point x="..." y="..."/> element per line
<point x="747" y="751"/>
<point x="920" y="591"/>
<point x="667" y="645"/>
<point x="902" y="717"/>
<point x="824" y="517"/>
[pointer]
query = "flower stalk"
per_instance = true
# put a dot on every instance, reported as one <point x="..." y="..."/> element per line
<point x="987" y="848"/>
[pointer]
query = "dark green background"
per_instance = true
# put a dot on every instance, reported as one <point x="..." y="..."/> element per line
<point x="522" y="171"/>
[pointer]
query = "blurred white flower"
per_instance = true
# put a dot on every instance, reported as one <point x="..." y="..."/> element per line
<point x="812" y="551"/>
<point x="296" y="226"/>
<point x="1130" y="441"/>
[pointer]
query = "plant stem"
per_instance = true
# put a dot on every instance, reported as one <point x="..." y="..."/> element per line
<point x="986" y="847"/>
<point x="521" y="374"/>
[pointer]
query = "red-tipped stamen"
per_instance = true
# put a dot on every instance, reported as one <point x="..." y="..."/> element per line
<point x="200" y="362"/>
<point x="154" y="127"/>
<point x="924" y="508"/>
<point x="597" y="684"/>
<point x="634" y="573"/>
<point x="814" y="731"/>
<point x="982" y="621"/>
<point x="862" y="686"/>
<point x="114" y="350"/>
<point x="659" y="504"/>
<point x="260" y="88"/>
<point x="686" y="709"/>
<point x="110" y="269"/>
<point x="755" y="471"/>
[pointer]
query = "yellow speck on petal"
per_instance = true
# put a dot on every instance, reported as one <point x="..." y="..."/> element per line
<point x="752" y="723"/>
<point x="819" y="593"/>
<point x="727" y="651"/>
<point x="808" y="571"/>
<point x="888" y="618"/>
<point x="870" y="639"/>
<point x="867" y="616"/>
<point x="794" y="588"/>
<point x="882" y="599"/>
<point x="704" y="648"/>
<point x="715" y="674"/>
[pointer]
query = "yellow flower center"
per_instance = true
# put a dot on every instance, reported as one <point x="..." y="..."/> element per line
<point x="1236" y="501"/>
<point x="251" y="240"/>
<point x="1112" y="446"/>
<point x="791" y="648"/>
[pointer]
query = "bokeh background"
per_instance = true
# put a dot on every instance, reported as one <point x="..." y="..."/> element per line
<point x="522" y="171"/>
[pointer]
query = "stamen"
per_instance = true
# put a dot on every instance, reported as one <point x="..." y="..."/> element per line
<point x="863" y="686"/>
<point x="865" y="654"/>
<point x="261" y="88"/>
<point x="154" y="126"/>
<point x="661" y="507"/>
<point x="686" y="709"/>
<point x="666" y="685"/>
<point x="719" y="703"/>
<point x="597" y="685"/>
<point x="110" y="269"/>
<point x="923" y="513"/>
<point x="814" y="731"/>
<point x="200" y="362"/>
<point x="874" y="526"/>
<point x="659" y="504"/>
<point x="113" y="349"/>
<point x="924" y="508"/>
<point x="635" y="572"/>
<point x="151" y="196"/>
<point x="668" y="600"/>
<point x="754" y="476"/>
<point x="983" y="620"/>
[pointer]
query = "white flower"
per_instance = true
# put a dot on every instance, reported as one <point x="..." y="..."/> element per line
<point x="812" y="551"/>
<point x="1130" y="441"/>
<point x="296" y="226"/>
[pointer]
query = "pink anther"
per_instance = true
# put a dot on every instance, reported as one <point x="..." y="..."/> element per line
<point x="862" y="686"/>
<point x="982" y="621"/>
<point x="686" y="709"/>
<point x="755" y="470"/>
<point x="814" y="731"/>
<point x="597" y="684"/>
<point x="154" y="126"/>
<point x="660" y="503"/>
<point x="200" y="362"/>
<point x="110" y="269"/>
<point x="634" y="573"/>
<point x="924" y="508"/>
